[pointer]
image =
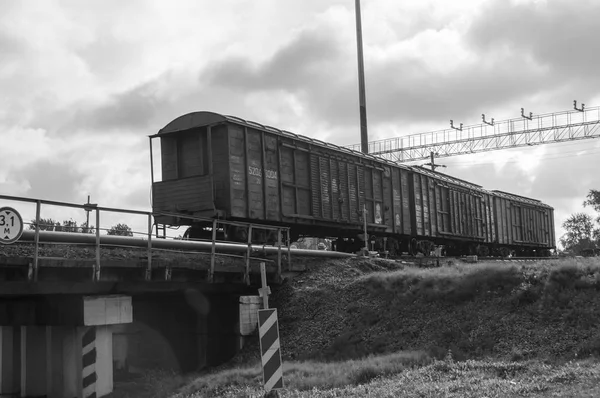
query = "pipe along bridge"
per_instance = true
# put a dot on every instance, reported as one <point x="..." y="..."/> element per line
<point x="81" y="311"/>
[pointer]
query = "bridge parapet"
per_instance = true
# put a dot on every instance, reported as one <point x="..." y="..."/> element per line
<point x="148" y="256"/>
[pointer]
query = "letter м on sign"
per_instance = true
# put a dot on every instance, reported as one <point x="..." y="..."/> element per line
<point x="270" y="351"/>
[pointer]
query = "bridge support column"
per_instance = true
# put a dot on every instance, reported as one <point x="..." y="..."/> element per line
<point x="104" y="360"/>
<point x="33" y="361"/>
<point x="71" y="362"/>
<point x="9" y="362"/>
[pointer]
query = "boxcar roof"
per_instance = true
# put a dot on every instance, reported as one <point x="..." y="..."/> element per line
<point x="447" y="178"/>
<point x="204" y="118"/>
<point x="519" y="198"/>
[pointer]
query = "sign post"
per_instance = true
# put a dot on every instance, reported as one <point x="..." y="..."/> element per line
<point x="11" y="225"/>
<point x="268" y="330"/>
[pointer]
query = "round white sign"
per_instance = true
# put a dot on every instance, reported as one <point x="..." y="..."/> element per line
<point x="11" y="225"/>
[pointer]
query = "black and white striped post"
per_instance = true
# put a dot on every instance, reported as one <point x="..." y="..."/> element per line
<point x="270" y="352"/>
<point x="88" y="362"/>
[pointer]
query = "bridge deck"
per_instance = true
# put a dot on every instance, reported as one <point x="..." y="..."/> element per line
<point x="70" y="269"/>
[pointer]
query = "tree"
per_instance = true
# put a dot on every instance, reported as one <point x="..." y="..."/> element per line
<point x="84" y="229"/>
<point x="593" y="200"/>
<point x="120" y="229"/>
<point x="46" y="224"/>
<point x="68" y="226"/>
<point x="580" y="233"/>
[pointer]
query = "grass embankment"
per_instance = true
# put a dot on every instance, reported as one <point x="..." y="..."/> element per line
<point x="502" y="310"/>
<point x="409" y="375"/>
<point x="381" y="329"/>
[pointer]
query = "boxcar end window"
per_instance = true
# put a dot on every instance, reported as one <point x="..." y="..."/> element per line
<point x="185" y="155"/>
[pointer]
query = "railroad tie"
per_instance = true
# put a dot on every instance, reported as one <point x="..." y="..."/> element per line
<point x="88" y="344"/>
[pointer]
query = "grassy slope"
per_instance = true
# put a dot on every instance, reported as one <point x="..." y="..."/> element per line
<point x="400" y="375"/>
<point x="493" y="330"/>
<point x="541" y="310"/>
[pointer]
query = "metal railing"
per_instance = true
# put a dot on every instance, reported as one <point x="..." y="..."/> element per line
<point x="152" y="238"/>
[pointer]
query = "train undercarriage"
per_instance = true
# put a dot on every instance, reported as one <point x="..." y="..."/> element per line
<point x="352" y="241"/>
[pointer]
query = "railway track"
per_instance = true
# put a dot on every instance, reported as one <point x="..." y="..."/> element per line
<point x="439" y="261"/>
<point x="514" y="259"/>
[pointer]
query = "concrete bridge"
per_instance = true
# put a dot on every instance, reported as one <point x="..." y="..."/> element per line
<point x="64" y="337"/>
<point x="78" y="309"/>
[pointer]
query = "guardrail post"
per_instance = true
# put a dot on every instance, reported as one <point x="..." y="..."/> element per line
<point x="149" y="268"/>
<point x="279" y="237"/>
<point x="38" y="206"/>
<point x="211" y="272"/>
<point x="248" y="252"/>
<point x="96" y="276"/>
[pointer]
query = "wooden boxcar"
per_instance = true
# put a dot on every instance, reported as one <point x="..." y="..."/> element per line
<point x="452" y="212"/>
<point x="524" y="225"/>
<point x="222" y="166"/>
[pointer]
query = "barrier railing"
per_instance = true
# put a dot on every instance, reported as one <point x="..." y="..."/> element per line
<point x="151" y="237"/>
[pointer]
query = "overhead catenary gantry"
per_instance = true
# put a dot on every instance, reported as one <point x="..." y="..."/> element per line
<point x="528" y="130"/>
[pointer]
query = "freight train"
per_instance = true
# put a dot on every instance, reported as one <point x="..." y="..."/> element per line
<point x="217" y="166"/>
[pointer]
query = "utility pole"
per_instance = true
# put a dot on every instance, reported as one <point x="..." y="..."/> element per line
<point x="364" y="135"/>
<point x="432" y="162"/>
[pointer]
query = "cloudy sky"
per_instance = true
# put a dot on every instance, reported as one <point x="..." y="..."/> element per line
<point x="83" y="83"/>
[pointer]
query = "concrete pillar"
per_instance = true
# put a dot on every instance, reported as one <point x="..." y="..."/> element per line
<point x="54" y="361"/>
<point x="104" y="360"/>
<point x="71" y="362"/>
<point x="120" y="348"/>
<point x="202" y="336"/>
<point x="248" y="323"/>
<point x="9" y="362"/>
<point x="33" y="361"/>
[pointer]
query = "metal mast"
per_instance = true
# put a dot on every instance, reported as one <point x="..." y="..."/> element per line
<point x="527" y="130"/>
<point x="364" y="135"/>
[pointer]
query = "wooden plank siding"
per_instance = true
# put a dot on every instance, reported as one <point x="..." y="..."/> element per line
<point x="387" y="204"/>
<point x="396" y="201"/>
<point x="271" y="177"/>
<point x="238" y="172"/>
<point x="418" y="204"/>
<point x="407" y="226"/>
<point x="302" y="183"/>
<point x="188" y="195"/>
<point x="288" y="200"/>
<point x="221" y="168"/>
<point x="256" y="192"/>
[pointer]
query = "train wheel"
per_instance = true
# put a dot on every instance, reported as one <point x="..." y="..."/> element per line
<point x="237" y="234"/>
<point x="413" y="247"/>
<point x="504" y="251"/>
<point x="483" y="251"/>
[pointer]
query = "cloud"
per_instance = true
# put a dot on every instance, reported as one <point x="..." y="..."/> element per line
<point x="51" y="181"/>
<point x="558" y="37"/>
<point x="306" y="59"/>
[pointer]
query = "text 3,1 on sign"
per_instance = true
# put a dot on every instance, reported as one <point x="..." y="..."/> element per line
<point x="11" y="225"/>
<point x="270" y="349"/>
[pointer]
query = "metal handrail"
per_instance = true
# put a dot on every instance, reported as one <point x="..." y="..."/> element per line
<point x="33" y="274"/>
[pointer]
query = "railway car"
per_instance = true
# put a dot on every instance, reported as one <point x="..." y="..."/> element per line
<point x="451" y="212"/>
<point x="217" y="166"/>
<point x="524" y="226"/>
